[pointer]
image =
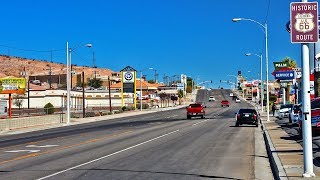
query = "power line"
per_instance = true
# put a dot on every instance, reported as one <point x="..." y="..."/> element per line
<point x="30" y="50"/>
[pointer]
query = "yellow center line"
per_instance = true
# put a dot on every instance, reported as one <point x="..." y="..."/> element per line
<point x="63" y="148"/>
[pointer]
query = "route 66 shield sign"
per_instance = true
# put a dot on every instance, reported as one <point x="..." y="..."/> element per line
<point x="304" y="18"/>
<point x="304" y="22"/>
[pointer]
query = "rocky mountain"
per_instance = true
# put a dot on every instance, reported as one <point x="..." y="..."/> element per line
<point x="17" y="67"/>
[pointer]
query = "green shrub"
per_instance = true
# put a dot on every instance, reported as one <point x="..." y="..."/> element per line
<point x="124" y="108"/>
<point x="90" y="114"/>
<point x="48" y="108"/>
<point x="144" y="106"/>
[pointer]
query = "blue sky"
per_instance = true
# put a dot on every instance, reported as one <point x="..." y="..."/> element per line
<point x="193" y="37"/>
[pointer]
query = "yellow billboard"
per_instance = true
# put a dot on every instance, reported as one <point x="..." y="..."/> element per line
<point x="12" y="85"/>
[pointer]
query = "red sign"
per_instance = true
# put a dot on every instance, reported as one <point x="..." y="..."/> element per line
<point x="304" y="22"/>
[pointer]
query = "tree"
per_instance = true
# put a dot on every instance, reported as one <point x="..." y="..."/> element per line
<point x="189" y="85"/>
<point x="95" y="83"/>
<point x="292" y="63"/>
<point x="180" y="95"/>
<point x="18" y="100"/>
<point x="48" y="108"/>
<point x="151" y="81"/>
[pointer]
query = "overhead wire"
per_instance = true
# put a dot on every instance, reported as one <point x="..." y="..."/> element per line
<point x="30" y="50"/>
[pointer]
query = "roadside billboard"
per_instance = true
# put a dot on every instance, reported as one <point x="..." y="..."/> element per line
<point x="12" y="85"/>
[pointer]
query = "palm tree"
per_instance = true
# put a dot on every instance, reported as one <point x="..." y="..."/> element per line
<point x="95" y="83"/>
<point x="180" y="95"/>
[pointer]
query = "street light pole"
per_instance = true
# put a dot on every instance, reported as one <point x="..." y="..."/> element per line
<point x="141" y="90"/>
<point x="265" y="27"/>
<point x="262" y="89"/>
<point x="267" y="70"/>
<point x="69" y="51"/>
<point x="236" y="80"/>
<point x="68" y="82"/>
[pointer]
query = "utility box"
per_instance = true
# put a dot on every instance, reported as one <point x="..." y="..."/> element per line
<point x="3" y="109"/>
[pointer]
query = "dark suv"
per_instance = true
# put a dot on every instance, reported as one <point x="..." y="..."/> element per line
<point x="247" y="116"/>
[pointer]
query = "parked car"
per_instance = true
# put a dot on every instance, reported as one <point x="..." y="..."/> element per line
<point x="196" y="109"/>
<point x="284" y="110"/>
<point x="247" y="116"/>
<point x="295" y="114"/>
<point x="225" y="103"/>
<point x="238" y="100"/>
<point x="211" y="98"/>
<point x="315" y="118"/>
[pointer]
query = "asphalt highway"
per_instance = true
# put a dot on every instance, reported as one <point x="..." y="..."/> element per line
<point x="162" y="145"/>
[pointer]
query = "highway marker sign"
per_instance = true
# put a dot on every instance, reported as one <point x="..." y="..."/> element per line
<point x="304" y="22"/>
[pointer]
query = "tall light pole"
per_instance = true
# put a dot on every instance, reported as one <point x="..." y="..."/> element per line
<point x="262" y="92"/>
<point x="265" y="27"/>
<point x="68" y="54"/>
<point x="236" y="79"/>
<point x="68" y="82"/>
<point x="141" y="86"/>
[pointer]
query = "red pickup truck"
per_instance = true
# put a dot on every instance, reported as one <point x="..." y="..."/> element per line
<point x="225" y="103"/>
<point x="195" y="109"/>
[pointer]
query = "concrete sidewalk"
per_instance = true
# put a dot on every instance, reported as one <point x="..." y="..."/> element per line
<point x="285" y="153"/>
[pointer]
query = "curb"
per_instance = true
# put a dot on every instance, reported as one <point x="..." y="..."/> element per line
<point x="278" y="171"/>
<point x="275" y="162"/>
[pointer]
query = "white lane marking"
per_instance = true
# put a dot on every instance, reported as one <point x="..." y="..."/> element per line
<point x="23" y="150"/>
<point x="45" y="146"/>
<point x="109" y="155"/>
<point x="199" y="122"/>
<point x="171" y="116"/>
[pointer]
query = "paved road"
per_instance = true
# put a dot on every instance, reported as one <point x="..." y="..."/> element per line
<point x="163" y="145"/>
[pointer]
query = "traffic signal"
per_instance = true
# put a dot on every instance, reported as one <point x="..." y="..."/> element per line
<point x="211" y="81"/>
<point x="239" y="72"/>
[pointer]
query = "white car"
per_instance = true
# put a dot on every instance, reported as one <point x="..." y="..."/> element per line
<point x="238" y="100"/>
<point x="284" y="110"/>
<point x="231" y="94"/>
<point x="295" y="114"/>
<point x="211" y="98"/>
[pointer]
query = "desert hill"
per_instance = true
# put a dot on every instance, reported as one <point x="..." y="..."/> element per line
<point x="15" y="66"/>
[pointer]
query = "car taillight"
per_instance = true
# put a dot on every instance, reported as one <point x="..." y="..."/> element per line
<point x="254" y="116"/>
<point x="238" y="116"/>
<point x="318" y="124"/>
<point x="296" y="111"/>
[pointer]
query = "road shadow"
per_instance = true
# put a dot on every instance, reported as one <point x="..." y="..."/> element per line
<point x="162" y="172"/>
<point x="252" y="126"/>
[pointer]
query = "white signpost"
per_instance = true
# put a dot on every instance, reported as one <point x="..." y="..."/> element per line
<point x="304" y="20"/>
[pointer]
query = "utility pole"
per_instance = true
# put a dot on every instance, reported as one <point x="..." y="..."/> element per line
<point x="50" y="77"/>
<point x="24" y="74"/>
<point x="94" y="65"/>
<point x="155" y="76"/>
<point x="83" y="98"/>
<point x="50" y="70"/>
<point x="109" y="88"/>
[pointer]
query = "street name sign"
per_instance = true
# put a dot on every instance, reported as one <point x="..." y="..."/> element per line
<point x="284" y="75"/>
<point x="304" y="22"/>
